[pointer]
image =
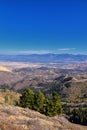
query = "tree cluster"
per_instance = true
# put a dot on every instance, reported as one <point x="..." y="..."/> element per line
<point x="79" y="116"/>
<point x="38" y="102"/>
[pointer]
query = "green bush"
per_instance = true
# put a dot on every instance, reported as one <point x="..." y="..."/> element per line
<point x="10" y="100"/>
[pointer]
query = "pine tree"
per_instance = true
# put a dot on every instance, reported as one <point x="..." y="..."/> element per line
<point x="53" y="106"/>
<point x="39" y="101"/>
<point x="27" y="98"/>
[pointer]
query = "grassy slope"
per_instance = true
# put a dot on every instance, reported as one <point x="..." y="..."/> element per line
<point x="16" y="118"/>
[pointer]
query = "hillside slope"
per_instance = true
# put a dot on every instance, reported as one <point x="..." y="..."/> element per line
<point x="17" y="118"/>
<point x="2" y="68"/>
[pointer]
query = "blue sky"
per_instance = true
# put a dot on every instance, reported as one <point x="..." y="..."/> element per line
<point x="43" y="26"/>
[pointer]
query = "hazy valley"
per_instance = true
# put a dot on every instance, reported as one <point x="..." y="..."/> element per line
<point x="68" y="79"/>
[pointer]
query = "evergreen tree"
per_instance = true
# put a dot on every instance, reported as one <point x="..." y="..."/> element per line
<point x="79" y="116"/>
<point x="57" y="103"/>
<point x="39" y="101"/>
<point x="27" y="98"/>
<point x="53" y="106"/>
<point x="50" y="107"/>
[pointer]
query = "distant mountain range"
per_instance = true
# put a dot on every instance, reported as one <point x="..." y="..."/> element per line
<point x="64" y="58"/>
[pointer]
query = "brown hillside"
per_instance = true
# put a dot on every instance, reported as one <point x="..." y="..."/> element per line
<point x="17" y="118"/>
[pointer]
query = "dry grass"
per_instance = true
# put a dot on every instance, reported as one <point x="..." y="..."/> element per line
<point x="11" y="96"/>
<point x="17" y="118"/>
<point x="2" y="68"/>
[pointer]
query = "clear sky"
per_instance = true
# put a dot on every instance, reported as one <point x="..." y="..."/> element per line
<point x="43" y="26"/>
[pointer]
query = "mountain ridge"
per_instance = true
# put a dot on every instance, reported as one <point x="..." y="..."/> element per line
<point x="50" y="57"/>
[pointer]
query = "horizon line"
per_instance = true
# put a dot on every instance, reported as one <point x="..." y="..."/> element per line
<point x="42" y="53"/>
